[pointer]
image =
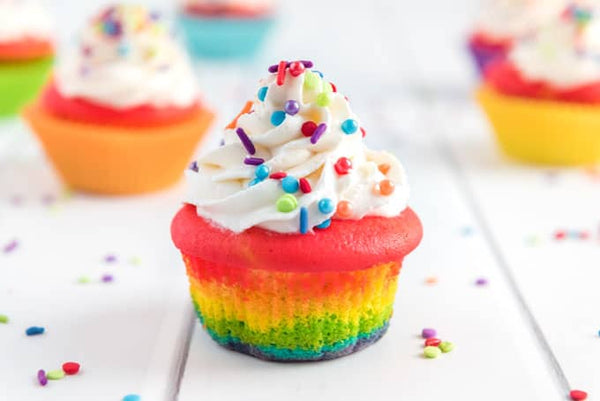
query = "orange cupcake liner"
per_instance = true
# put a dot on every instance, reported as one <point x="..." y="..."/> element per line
<point x="117" y="160"/>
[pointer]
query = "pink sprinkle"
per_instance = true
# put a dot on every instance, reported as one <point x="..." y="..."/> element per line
<point x="41" y="376"/>
<point x="11" y="246"/>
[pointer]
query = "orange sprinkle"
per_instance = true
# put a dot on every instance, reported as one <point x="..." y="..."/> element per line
<point x="386" y="187"/>
<point x="431" y="280"/>
<point x="245" y="110"/>
<point x="344" y="209"/>
<point x="384" y="168"/>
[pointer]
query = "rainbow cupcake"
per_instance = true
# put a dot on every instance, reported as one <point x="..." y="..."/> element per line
<point x="122" y="115"/>
<point x="293" y="233"/>
<point x="26" y="52"/>
<point x="543" y="101"/>
<point x="502" y="22"/>
<point x="225" y="29"/>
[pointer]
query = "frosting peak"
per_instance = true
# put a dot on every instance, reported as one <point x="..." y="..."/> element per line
<point x="293" y="160"/>
<point x="127" y="58"/>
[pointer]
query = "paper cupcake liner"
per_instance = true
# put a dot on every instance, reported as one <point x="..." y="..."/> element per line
<point x="222" y="37"/>
<point x="117" y="160"/>
<point x="292" y="316"/>
<point x="20" y="81"/>
<point x="484" y="56"/>
<point x="542" y="131"/>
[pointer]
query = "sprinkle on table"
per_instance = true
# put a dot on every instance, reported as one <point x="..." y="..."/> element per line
<point x="432" y="352"/>
<point x="3" y="319"/>
<point x="428" y="333"/>
<point x="245" y="140"/>
<point x="578" y="395"/>
<point x="71" y="368"/>
<point x="10" y="246"/>
<point x="41" y="377"/>
<point x="107" y="278"/>
<point x="433" y="342"/>
<point x="55" y="374"/>
<point x="431" y="280"/>
<point x="481" y="282"/>
<point x="110" y="258"/>
<point x="446" y="346"/>
<point x="84" y="280"/>
<point x="34" y="331"/>
<point x="132" y="397"/>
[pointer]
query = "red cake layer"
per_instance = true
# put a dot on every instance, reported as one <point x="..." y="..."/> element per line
<point x="79" y="109"/>
<point x="345" y="245"/>
<point x="480" y="40"/>
<point x="504" y="77"/>
<point x="25" y="49"/>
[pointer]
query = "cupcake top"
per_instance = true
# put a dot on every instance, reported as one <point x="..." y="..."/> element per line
<point x="565" y="53"/>
<point x="293" y="160"/>
<point x="509" y="19"/>
<point x="127" y="58"/>
<point x="24" y="19"/>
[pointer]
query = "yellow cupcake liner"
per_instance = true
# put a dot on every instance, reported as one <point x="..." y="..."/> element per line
<point x="543" y="131"/>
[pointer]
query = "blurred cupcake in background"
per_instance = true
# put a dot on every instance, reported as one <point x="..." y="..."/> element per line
<point x="502" y="22"/>
<point x="544" y="99"/>
<point x="122" y="114"/>
<point x="225" y="29"/>
<point x="26" y="52"/>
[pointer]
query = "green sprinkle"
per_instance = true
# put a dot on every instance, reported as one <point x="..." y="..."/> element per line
<point x="311" y="80"/>
<point x="446" y="347"/>
<point x="287" y="203"/>
<point x="55" y="374"/>
<point x="83" y="280"/>
<point x="323" y="99"/>
<point x="327" y="87"/>
<point x="135" y="261"/>
<point x="431" y="352"/>
<point x="3" y="319"/>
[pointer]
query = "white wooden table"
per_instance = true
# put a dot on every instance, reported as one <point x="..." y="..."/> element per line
<point x="530" y="334"/>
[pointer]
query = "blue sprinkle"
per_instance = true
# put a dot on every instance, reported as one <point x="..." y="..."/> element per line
<point x="34" y="331"/>
<point x="290" y="184"/>
<point x="324" y="224"/>
<point x="303" y="220"/>
<point x="318" y="72"/>
<point x="132" y="397"/>
<point x="262" y="172"/>
<point x="277" y="117"/>
<point x="262" y="93"/>
<point x="326" y="206"/>
<point x="254" y="182"/>
<point x="123" y="49"/>
<point x="349" y="126"/>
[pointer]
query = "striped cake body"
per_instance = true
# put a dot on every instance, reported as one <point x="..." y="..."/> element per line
<point x="293" y="316"/>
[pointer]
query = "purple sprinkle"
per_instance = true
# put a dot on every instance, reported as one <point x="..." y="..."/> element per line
<point x="245" y="141"/>
<point x="254" y="161"/>
<point x="11" y="246"/>
<point x="107" y="278"/>
<point x="307" y="63"/>
<point x="273" y="69"/>
<point x="481" y="281"/>
<point x="41" y="376"/>
<point x="193" y="166"/>
<point x="291" y="107"/>
<point x="428" y="333"/>
<point x="110" y="258"/>
<point x="48" y="199"/>
<point x="319" y="131"/>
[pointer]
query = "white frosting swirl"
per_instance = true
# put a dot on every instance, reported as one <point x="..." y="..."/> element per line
<point x="222" y="190"/>
<point x="565" y="53"/>
<point x="21" y="19"/>
<point x="509" y="19"/>
<point x="139" y="65"/>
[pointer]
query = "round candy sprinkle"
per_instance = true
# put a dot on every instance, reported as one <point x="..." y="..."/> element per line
<point x="303" y="220"/>
<point x="308" y="128"/>
<point x="323" y="99"/>
<point x="319" y="131"/>
<point x="296" y="68"/>
<point x="253" y="161"/>
<point x="578" y="395"/>
<point x="344" y="209"/>
<point x="132" y="397"/>
<point x="3" y="319"/>
<point x="34" y="331"/>
<point x="384" y="168"/>
<point x="432" y="342"/>
<point x="291" y="107"/>
<point x="262" y="172"/>
<point x="55" y="374"/>
<point x="278" y="175"/>
<point x="349" y="126"/>
<point x="262" y="93"/>
<point x="326" y="206"/>
<point x="324" y="224"/>
<point x="290" y="184"/>
<point x="343" y="165"/>
<point x="431" y="352"/>
<point x="245" y="140"/>
<point x="305" y="186"/>
<point x="41" y="376"/>
<point x="386" y="187"/>
<point x="277" y="117"/>
<point x="281" y="73"/>
<point x="71" y="368"/>
<point x="446" y="347"/>
<point x="428" y="333"/>
<point x="287" y="203"/>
